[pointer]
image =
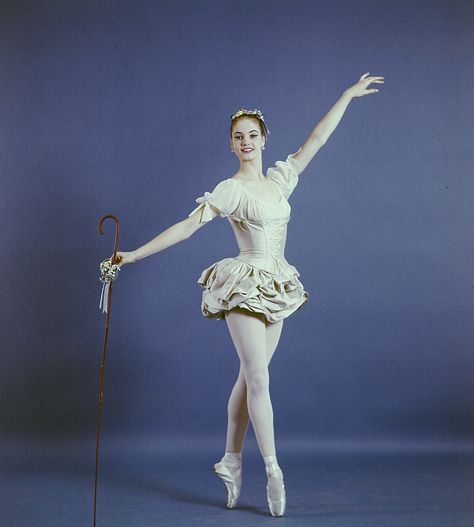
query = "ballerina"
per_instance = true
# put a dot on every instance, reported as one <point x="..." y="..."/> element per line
<point x="255" y="290"/>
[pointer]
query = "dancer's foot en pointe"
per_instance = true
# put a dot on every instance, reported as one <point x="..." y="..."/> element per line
<point x="276" y="495"/>
<point x="229" y="470"/>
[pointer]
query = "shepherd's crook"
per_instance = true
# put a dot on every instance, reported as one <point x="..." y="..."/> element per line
<point x="108" y="302"/>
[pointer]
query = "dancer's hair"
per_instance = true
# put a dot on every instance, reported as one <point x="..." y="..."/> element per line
<point x="257" y="114"/>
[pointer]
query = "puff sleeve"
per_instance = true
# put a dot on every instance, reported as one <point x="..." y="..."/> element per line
<point x="222" y="201"/>
<point x="285" y="174"/>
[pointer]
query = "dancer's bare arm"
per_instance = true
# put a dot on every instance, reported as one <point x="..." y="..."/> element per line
<point x="326" y="126"/>
<point x="176" y="233"/>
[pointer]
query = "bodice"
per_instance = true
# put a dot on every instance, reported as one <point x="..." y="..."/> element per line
<point x="260" y="226"/>
<point x="261" y="235"/>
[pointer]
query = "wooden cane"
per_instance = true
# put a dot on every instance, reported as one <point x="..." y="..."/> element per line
<point x="102" y="366"/>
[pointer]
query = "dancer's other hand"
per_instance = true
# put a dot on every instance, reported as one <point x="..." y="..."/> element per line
<point x="360" y="88"/>
<point x="124" y="258"/>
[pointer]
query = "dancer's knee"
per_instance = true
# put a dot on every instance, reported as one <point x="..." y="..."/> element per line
<point x="257" y="382"/>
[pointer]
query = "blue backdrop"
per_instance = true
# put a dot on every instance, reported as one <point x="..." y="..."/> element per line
<point x="123" y="107"/>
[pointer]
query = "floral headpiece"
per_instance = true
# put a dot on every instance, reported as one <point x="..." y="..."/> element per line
<point x="253" y="113"/>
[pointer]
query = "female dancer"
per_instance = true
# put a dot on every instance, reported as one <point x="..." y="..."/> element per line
<point x="257" y="289"/>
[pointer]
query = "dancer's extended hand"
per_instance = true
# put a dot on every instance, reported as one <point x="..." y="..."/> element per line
<point x="360" y="88"/>
<point x="124" y="258"/>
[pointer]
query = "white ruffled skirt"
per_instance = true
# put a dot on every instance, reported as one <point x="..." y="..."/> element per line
<point x="231" y="283"/>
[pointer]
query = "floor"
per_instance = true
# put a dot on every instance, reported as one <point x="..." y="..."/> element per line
<point x="169" y="482"/>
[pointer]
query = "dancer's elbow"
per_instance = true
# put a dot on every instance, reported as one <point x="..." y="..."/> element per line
<point x="192" y="223"/>
<point x="190" y="226"/>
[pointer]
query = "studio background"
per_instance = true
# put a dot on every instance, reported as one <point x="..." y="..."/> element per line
<point x="123" y="108"/>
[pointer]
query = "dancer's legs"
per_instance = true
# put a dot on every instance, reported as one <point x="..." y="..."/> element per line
<point x="238" y="416"/>
<point x="249" y="336"/>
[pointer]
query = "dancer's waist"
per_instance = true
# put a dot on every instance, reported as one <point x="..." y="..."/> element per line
<point x="273" y="262"/>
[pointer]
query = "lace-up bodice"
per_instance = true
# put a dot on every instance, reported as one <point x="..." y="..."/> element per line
<point x="260" y="226"/>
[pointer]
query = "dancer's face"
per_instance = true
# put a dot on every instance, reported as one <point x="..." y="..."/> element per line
<point x="247" y="139"/>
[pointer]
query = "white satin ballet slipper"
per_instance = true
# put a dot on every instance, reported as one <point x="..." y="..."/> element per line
<point x="276" y="494"/>
<point x="232" y="481"/>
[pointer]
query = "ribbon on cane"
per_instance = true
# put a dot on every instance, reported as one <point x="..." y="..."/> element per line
<point x="108" y="273"/>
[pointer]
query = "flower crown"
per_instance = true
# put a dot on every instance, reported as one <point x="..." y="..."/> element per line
<point x="253" y="113"/>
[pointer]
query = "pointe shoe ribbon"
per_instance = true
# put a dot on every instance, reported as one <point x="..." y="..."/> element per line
<point x="232" y="481"/>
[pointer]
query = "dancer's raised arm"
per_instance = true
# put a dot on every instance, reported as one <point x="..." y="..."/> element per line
<point x="326" y="126"/>
<point x="221" y="201"/>
<point x="176" y="233"/>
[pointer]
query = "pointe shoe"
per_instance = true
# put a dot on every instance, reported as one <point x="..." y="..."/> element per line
<point x="276" y="495"/>
<point x="232" y="481"/>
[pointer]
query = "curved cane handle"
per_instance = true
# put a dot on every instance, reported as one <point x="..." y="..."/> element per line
<point x="117" y="231"/>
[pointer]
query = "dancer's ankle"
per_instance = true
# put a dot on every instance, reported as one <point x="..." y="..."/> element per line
<point x="272" y="467"/>
<point x="232" y="458"/>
